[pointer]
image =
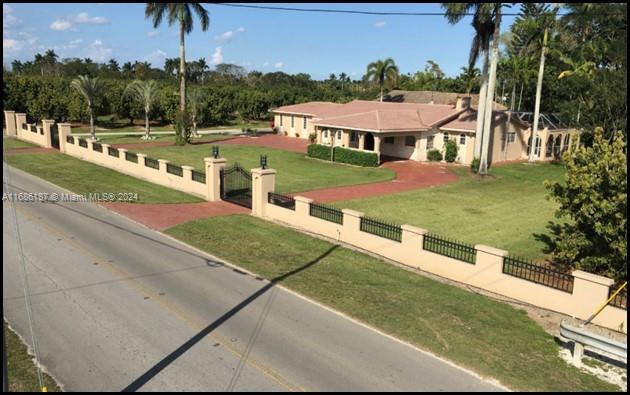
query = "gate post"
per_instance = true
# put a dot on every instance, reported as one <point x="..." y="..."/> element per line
<point x="65" y="130"/>
<point x="9" y="117"/>
<point x="46" y="127"/>
<point x="213" y="178"/>
<point x="263" y="182"/>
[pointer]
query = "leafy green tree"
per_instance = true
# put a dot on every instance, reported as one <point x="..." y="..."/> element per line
<point x="382" y="72"/>
<point x="90" y="89"/>
<point x="144" y="92"/>
<point x="594" y="202"/>
<point x="450" y="151"/>
<point x="196" y="104"/>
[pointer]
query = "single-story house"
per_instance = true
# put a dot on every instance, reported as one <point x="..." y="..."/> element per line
<point x="410" y="130"/>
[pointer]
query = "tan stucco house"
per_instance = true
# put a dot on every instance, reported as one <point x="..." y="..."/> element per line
<point x="410" y="130"/>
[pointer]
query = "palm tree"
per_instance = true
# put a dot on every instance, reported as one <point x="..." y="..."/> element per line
<point x="145" y="92"/>
<point x="90" y="89"/>
<point x="470" y="75"/>
<point x="484" y="26"/>
<point x="381" y="72"/>
<point x="182" y="13"/>
<point x="196" y="100"/>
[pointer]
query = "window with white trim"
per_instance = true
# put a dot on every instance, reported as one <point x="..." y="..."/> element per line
<point x="325" y="134"/>
<point x="445" y="137"/>
<point x="353" y="136"/>
<point x="462" y="139"/>
<point x="511" y="137"/>
<point x="304" y="127"/>
<point x="410" y="141"/>
<point x="339" y="134"/>
<point x="389" y="140"/>
<point x="430" y="142"/>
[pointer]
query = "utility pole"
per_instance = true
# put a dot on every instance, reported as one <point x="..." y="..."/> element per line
<point x="5" y="370"/>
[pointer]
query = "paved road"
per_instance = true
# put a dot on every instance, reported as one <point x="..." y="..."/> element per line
<point x="117" y="307"/>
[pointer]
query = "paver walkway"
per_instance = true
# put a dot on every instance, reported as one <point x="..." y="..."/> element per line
<point x="163" y="216"/>
<point x="409" y="175"/>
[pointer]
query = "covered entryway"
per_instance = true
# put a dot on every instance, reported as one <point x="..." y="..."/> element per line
<point x="236" y="185"/>
<point x="368" y="142"/>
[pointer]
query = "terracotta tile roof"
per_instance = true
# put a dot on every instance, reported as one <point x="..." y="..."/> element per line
<point x="313" y="108"/>
<point x="467" y="120"/>
<point x="400" y="96"/>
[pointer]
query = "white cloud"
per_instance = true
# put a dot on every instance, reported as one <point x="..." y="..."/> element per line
<point x="83" y="17"/>
<point x="80" y="18"/>
<point x="379" y="24"/>
<point x="217" y="56"/>
<point x="152" y="33"/>
<point x="11" y="45"/>
<point x="278" y="65"/>
<point x="8" y="19"/>
<point x="240" y="29"/>
<point x="226" y="37"/>
<point x="156" y="57"/>
<point x="98" y="52"/>
<point x="61" y="25"/>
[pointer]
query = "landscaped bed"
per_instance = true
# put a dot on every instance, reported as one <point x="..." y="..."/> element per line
<point x="507" y="210"/>
<point x="296" y="172"/>
<point x="487" y="336"/>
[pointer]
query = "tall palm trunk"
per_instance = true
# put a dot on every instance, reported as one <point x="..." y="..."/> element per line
<point x="182" y="69"/>
<point x="381" y="92"/>
<point x="481" y="107"/>
<point x="483" y="163"/>
<point x="513" y="96"/>
<point x="541" y="70"/>
<point x="520" y="98"/>
<point x="92" y="129"/>
<point x="147" y="126"/>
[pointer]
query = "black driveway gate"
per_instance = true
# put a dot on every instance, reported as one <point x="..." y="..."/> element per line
<point x="54" y="136"/>
<point x="236" y="185"/>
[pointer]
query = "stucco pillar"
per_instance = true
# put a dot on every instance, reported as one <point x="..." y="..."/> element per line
<point x="122" y="154"/>
<point x="187" y="172"/>
<point x="20" y="118"/>
<point x="162" y="164"/>
<point x="590" y="291"/>
<point x="411" y="243"/>
<point x="361" y="141"/>
<point x="140" y="157"/>
<point x="318" y="131"/>
<point x="488" y="265"/>
<point x="345" y="139"/>
<point x="351" y="232"/>
<point x="213" y="177"/>
<point x="9" y="117"/>
<point x="302" y="206"/>
<point x="263" y="182"/>
<point x="65" y="130"/>
<point x="46" y="127"/>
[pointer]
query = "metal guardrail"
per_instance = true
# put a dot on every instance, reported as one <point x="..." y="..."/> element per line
<point x="585" y="338"/>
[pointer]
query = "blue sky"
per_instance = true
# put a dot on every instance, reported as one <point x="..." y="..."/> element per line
<point x="292" y="42"/>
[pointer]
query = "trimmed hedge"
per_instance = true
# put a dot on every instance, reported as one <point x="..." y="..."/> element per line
<point x="434" y="155"/>
<point x="318" y="151"/>
<point x="359" y="158"/>
<point x="451" y="151"/>
<point x="343" y="155"/>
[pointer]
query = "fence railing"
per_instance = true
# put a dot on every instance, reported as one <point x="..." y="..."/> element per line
<point x="198" y="176"/>
<point x="112" y="151"/>
<point x="152" y="163"/>
<point x="174" y="169"/>
<point x="82" y="143"/>
<point x="326" y="213"/>
<point x="381" y="228"/>
<point x="131" y="157"/>
<point x="24" y="126"/>
<point x="450" y="248"/>
<point x="97" y="147"/>
<point x="70" y="139"/>
<point x="621" y="299"/>
<point x="33" y="128"/>
<point x="535" y="273"/>
<point x="281" y="200"/>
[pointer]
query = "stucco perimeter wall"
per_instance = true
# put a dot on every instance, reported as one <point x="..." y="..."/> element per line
<point x="41" y="137"/>
<point x="160" y="176"/>
<point x="589" y="291"/>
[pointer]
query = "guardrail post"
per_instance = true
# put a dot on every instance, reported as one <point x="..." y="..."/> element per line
<point x="263" y="182"/>
<point x="9" y="117"/>
<point x="213" y="177"/>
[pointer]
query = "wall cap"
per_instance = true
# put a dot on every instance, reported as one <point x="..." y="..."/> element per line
<point x="122" y="150"/>
<point x="262" y="172"/>
<point x="187" y="167"/>
<point x="352" y="213"/>
<point x="9" y="111"/>
<point x="214" y="160"/>
<point x="594" y="278"/>
<point x="164" y="161"/>
<point x="303" y="199"/>
<point x="490" y="250"/>
<point x="105" y="145"/>
<point x="413" y="229"/>
<point x="48" y="121"/>
<point x="142" y="155"/>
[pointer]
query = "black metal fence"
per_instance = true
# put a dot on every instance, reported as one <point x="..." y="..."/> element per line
<point x="24" y="126"/>
<point x="83" y="143"/>
<point x="326" y="213"/>
<point x="70" y="139"/>
<point x="621" y="299"/>
<point x="174" y="169"/>
<point x="382" y="229"/>
<point x="131" y="157"/>
<point x="112" y="151"/>
<point x="97" y="147"/>
<point x="535" y="273"/>
<point x="152" y="163"/>
<point x="199" y="176"/>
<point x="33" y="128"/>
<point x="451" y="248"/>
<point x="281" y="200"/>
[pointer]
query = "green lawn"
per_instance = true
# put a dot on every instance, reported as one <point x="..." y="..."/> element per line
<point x="296" y="172"/>
<point x="23" y="375"/>
<point x="124" y="139"/>
<point x="84" y="177"/>
<point x="506" y="210"/>
<point x="484" y="335"/>
<point x="12" y="142"/>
